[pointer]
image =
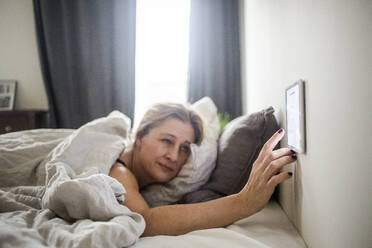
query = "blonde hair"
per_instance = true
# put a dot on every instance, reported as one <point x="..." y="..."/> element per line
<point x="163" y="111"/>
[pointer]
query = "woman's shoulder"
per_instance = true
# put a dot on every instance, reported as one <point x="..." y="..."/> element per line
<point x="124" y="176"/>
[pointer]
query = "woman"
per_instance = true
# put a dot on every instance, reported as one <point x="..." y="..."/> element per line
<point x="161" y="148"/>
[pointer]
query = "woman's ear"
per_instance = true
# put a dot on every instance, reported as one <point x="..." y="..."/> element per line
<point x="138" y="141"/>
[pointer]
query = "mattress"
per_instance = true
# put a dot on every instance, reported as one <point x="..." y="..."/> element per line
<point x="268" y="228"/>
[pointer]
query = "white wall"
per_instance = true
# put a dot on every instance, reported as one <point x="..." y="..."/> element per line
<point x="328" y="43"/>
<point x="19" y="55"/>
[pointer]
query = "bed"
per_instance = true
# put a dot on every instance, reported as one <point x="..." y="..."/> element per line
<point x="55" y="191"/>
<point x="268" y="228"/>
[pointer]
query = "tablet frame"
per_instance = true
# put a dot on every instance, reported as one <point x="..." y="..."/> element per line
<point x="302" y="117"/>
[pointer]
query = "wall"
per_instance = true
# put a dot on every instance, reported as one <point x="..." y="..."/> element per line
<point x="19" y="55"/>
<point x="328" y="44"/>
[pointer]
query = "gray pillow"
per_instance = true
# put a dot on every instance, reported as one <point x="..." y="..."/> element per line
<point x="238" y="148"/>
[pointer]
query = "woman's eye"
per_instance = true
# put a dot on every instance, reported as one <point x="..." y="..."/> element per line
<point x="185" y="149"/>
<point x="166" y="141"/>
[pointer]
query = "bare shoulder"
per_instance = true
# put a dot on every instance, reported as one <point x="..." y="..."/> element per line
<point x="133" y="198"/>
<point x="124" y="176"/>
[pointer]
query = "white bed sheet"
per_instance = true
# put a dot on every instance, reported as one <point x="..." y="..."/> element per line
<point x="268" y="228"/>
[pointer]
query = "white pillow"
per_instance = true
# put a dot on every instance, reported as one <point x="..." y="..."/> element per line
<point x="198" y="167"/>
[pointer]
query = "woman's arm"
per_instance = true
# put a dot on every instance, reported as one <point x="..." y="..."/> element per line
<point x="183" y="218"/>
<point x="180" y="218"/>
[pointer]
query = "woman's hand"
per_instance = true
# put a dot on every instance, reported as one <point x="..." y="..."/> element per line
<point x="265" y="174"/>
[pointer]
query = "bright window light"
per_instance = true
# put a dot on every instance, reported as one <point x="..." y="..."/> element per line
<point x="162" y="47"/>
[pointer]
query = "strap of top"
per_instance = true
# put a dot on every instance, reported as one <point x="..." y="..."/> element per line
<point x="121" y="162"/>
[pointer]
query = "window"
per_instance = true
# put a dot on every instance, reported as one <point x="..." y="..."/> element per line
<point x="162" y="47"/>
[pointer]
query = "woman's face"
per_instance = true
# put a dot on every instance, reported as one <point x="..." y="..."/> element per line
<point x="165" y="149"/>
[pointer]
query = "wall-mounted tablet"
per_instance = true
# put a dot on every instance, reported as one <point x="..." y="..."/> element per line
<point x="295" y="116"/>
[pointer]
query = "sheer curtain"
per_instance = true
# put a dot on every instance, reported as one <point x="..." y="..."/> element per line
<point x="87" y="51"/>
<point x="161" y="52"/>
<point x="214" y="66"/>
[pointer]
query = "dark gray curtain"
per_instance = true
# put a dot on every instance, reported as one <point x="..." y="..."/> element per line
<point x="214" y="67"/>
<point x="87" y="51"/>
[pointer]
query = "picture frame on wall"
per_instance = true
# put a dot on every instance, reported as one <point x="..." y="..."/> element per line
<point x="8" y="90"/>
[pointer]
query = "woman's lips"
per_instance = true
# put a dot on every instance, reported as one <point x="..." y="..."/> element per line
<point x="165" y="167"/>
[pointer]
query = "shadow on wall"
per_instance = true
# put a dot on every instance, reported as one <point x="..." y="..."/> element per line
<point x="289" y="193"/>
<point x="297" y="193"/>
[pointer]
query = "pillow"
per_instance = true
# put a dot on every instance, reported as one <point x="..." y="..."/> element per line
<point x="238" y="148"/>
<point x="199" y="165"/>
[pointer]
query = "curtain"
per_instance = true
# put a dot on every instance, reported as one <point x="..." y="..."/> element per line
<point x="214" y="59"/>
<point x="87" y="53"/>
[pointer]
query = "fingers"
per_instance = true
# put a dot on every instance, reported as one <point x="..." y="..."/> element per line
<point x="282" y="152"/>
<point x="267" y="155"/>
<point x="275" y="180"/>
<point x="274" y="140"/>
<point x="276" y="165"/>
<point x="270" y="162"/>
<point x="270" y="156"/>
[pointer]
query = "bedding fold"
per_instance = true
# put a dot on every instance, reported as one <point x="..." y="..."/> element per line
<point x="56" y="191"/>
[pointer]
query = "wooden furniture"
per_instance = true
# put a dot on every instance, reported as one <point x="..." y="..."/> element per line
<point x="18" y="120"/>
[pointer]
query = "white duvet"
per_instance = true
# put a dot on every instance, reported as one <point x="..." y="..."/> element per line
<point x="69" y="200"/>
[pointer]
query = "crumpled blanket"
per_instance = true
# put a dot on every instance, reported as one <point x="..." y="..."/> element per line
<point x="55" y="189"/>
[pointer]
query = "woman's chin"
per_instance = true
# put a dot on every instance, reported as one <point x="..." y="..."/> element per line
<point x="163" y="177"/>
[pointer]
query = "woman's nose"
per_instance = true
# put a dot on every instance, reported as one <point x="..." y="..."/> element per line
<point x="172" y="154"/>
